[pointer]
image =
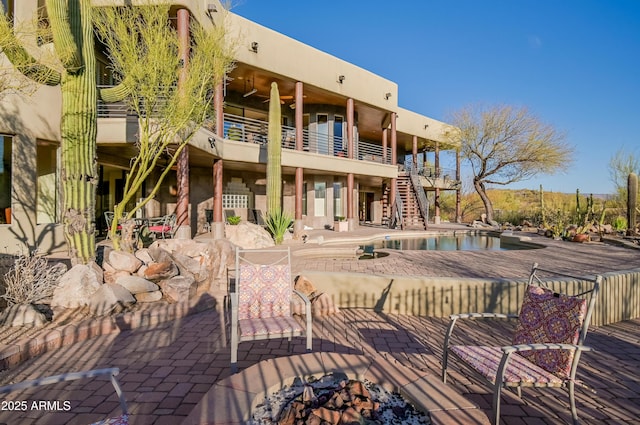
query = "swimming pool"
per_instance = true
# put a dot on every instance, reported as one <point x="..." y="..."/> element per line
<point x="446" y="243"/>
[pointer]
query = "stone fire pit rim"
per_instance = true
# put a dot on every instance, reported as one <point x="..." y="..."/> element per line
<point x="233" y="399"/>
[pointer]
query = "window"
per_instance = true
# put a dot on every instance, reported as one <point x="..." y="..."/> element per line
<point x="322" y="129"/>
<point x="8" y="7"/>
<point x="47" y="201"/>
<point x="338" y="136"/>
<point x="337" y="200"/>
<point x="5" y="178"/>
<point x="304" y="198"/>
<point x="320" y="199"/>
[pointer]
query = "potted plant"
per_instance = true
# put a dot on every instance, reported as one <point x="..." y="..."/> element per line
<point x="340" y="224"/>
<point x="234" y="220"/>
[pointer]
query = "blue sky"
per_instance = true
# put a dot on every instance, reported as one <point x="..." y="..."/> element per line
<point x="574" y="63"/>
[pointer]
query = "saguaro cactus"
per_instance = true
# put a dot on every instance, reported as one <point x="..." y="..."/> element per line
<point x="274" y="153"/>
<point x="632" y="202"/>
<point x="72" y="31"/>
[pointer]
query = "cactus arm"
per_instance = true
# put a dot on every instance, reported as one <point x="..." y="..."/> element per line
<point x="116" y="93"/>
<point x="63" y="39"/>
<point x="21" y="59"/>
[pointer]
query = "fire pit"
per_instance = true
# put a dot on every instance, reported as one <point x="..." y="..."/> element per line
<point x="336" y="400"/>
<point x="234" y="399"/>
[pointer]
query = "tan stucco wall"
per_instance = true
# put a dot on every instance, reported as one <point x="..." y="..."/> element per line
<point x="619" y="297"/>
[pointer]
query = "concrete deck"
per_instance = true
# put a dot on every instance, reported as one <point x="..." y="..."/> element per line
<point x="171" y="356"/>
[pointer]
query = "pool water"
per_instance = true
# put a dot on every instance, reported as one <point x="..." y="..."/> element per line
<point x="445" y="243"/>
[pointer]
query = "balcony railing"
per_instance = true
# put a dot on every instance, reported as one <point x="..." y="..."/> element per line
<point x="250" y="130"/>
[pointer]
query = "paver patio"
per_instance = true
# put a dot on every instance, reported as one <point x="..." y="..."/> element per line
<point x="167" y="367"/>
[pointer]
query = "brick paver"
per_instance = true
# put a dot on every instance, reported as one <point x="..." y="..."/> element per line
<point x="167" y="367"/>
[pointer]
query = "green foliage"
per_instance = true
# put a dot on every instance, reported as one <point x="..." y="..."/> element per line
<point x="278" y="224"/>
<point x="172" y="99"/>
<point x="619" y="223"/>
<point x="504" y="145"/>
<point x="234" y="220"/>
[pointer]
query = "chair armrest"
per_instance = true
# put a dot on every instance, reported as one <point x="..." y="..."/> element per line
<point x="302" y="296"/>
<point x="508" y="349"/>
<point x="483" y="316"/>
<point x="307" y="303"/>
<point x="455" y="317"/>
<point x="72" y="376"/>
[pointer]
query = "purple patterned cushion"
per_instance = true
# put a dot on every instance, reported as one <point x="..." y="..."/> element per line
<point x="546" y="317"/>
<point x="264" y="291"/>
<point x="486" y="360"/>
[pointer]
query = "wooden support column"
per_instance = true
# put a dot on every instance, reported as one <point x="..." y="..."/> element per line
<point x="436" y="218"/>
<point x="182" y="202"/>
<point x="218" y="222"/>
<point x="394" y="162"/>
<point x="414" y="152"/>
<point x="351" y="219"/>
<point x="298" y="224"/>
<point x="459" y="189"/>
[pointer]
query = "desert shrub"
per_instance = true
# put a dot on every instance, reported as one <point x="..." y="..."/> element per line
<point x="277" y="224"/>
<point x="31" y="279"/>
<point x="619" y="223"/>
<point x="234" y="220"/>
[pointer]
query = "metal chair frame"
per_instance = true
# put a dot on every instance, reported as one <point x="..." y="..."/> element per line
<point x="590" y="294"/>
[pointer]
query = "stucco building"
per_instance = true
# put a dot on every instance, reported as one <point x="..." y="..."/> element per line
<point x="349" y="149"/>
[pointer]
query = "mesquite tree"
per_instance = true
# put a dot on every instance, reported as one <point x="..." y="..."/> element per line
<point x="505" y="145"/>
<point x="72" y="30"/>
<point x="172" y="99"/>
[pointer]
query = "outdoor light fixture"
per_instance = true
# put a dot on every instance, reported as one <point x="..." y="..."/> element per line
<point x="340" y="78"/>
<point x="211" y="8"/>
<point x="387" y="96"/>
<point x="212" y="142"/>
<point x="254" y="46"/>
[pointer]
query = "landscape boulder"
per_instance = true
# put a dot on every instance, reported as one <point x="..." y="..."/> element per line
<point x="110" y="298"/>
<point x="137" y="285"/>
<point x="148" y="297"/>
<point x="121" y="260"/>
<point x="22" y="315"/>
<point x="178" y="288"/>
<point x="75" y="287"/>
<point x="249" y="236"/>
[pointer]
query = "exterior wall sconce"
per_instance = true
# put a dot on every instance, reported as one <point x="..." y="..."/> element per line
<point x="212" y="142"/>
<point x="387" y="96"/>
<point x="340" y="78"/>
<point x="254" y="46"/>
<point x="426" y="126"/>
<point x="211" y="8"/>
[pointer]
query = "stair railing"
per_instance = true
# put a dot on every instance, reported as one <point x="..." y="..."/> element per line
<point x="396" y="211"/>
<point x="423" y="203"/>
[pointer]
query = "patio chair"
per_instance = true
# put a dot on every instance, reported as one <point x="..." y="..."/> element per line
<point x="547" y="344"/>
<point x="164" y="226"/>
<point x="108" y="218"/>
<point x="122" y="419"/>
<point x="261" y="300"/>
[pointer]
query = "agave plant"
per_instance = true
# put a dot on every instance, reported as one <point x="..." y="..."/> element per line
<point x="278" y="223"/>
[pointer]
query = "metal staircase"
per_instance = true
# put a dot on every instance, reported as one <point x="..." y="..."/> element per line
<point x="414" y="210"/>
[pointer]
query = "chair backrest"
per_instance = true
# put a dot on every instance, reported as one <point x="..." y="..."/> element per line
<point x="263" y="283"/>
<point x="108" y="217"/>
<point x="554" y="317"/>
